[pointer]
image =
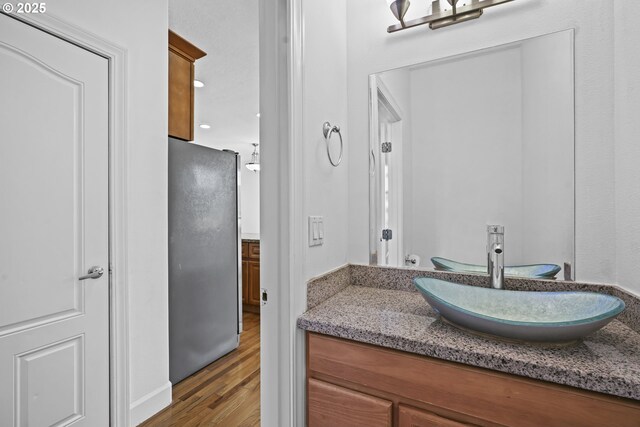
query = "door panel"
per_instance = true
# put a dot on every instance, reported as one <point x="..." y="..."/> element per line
<point x="58" y="168"/>
<point x="54" y="339"/>
<point x="45" y="372"/>
<point x="245" y="282"/>
<point x="254" y="282"/>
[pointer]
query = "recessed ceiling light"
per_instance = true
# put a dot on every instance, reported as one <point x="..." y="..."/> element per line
<point x="198" y="83"/>
<point x="258" y="115"/>
<point x="204" y="126"/>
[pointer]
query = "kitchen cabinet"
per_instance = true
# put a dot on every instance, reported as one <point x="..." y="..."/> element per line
<point x="182" y="57"/>
<point x="421" y="391"/>
<point x="251" y="276"/>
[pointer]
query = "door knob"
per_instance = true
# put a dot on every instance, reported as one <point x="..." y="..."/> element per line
<point x="94" y="272"/>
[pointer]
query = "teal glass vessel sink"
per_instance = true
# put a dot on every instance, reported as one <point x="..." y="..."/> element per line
<point x="547" y="317"/>
<point x="534" y="271"/>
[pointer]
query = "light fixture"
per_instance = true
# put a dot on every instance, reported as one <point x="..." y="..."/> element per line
<point x="399" y="9"/>
<point x="254" y="164"/>
<point x="442" y="14"/>
<point x="198" y="83"/>
<point x="258" y="115"/>
<point x="205" y="126"/>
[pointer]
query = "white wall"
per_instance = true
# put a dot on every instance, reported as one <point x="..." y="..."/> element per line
<point x="548" y="150"/>
<point x="372" y="50"/>
<point x="325" y="99"/>
<point x="482" y="156"/>
<point x="627" y="138"/>
<point x="141" y="28"/>
<point x="249" y="199"/>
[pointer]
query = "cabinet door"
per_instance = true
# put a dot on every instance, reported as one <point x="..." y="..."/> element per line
<point x="254" y="251"/>
<point x="412" y="417"/>
<point x="180" y="97"/>
<point x="254" y="282"/>
<point x="245" y="249"/>
<point x="334" y="406"/>
<point x="245" y="282"/>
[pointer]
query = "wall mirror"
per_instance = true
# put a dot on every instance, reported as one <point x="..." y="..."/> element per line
<point x="482" y="138"/>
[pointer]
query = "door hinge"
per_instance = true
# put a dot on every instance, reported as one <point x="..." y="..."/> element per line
<point x="386" y="147"/>
<point x="263" y="296"/>
<point x="387" y="234"/>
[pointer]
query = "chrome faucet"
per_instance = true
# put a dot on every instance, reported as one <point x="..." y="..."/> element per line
<point x="495" y="255"/>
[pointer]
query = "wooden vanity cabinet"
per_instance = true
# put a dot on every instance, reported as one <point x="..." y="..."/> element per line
<point x="412" y="417"/>
<point x="425" y="392"/>
<point x="331" y="405"/>
<point x="182" y="56"/>
<point x="251" y="276"/>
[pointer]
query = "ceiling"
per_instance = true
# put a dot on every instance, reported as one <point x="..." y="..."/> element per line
<point x="227" y="30"/>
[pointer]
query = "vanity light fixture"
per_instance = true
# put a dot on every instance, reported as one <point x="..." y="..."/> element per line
<point x="254" y="164"/>
<point x="198" y="83"/>
<point x="443" y="13"/>
<point x="399" y="9"/>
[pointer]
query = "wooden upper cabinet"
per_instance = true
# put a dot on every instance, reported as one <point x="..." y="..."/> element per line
<point x="182" y="56"/>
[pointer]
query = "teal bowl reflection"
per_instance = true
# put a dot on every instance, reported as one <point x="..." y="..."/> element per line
<point x="533" y="271"/>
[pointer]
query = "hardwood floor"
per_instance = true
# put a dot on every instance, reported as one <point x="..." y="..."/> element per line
<point x="225" y="393"/>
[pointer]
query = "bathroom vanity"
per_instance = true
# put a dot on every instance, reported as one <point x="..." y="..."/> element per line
<point x="378" y="355"/>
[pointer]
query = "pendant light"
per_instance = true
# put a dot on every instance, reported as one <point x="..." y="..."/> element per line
<point x="254" y="164"/>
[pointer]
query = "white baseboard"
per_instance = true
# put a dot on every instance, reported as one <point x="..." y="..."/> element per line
<point x="150" y="404"/>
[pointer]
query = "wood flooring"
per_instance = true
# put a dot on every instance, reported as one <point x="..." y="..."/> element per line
<point x="225" y="393"/>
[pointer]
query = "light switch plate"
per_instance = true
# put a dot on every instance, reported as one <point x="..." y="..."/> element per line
<point x="316" y="231"/>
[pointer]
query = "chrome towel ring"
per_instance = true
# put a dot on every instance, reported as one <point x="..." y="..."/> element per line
<point x="327" y="130"/>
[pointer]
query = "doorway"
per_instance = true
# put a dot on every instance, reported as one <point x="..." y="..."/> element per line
<point x="226" y="117"/>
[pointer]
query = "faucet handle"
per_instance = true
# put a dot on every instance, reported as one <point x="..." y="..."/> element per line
<point x="495" y="229"/>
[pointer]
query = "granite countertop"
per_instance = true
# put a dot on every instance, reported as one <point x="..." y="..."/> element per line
<point x="607" y="361"/>
<point x="250" y="237"/>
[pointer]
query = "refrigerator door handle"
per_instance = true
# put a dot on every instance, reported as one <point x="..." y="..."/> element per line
<point x="238" y="181"/>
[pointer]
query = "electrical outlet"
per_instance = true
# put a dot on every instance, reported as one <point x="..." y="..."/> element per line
<point x="316" y="231"/>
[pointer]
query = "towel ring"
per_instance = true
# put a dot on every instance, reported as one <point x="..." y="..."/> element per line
<point x="327" y="130"/>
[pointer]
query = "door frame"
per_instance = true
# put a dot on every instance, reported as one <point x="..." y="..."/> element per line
<point x="282" y="223"/>
<point x="119" y="405"/>
<point x="380" y="93"/>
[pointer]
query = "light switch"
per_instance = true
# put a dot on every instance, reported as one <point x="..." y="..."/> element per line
<point x="316" y="231"/>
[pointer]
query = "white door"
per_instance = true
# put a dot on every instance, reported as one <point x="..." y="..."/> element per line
<point x="54" y="336"/>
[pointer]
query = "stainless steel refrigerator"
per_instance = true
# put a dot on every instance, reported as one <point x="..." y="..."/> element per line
<point x="205" y="312"/>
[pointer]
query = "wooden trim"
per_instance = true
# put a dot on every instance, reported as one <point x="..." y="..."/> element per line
<point x="479" y="396"/>
<point x="184" y="48"/>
